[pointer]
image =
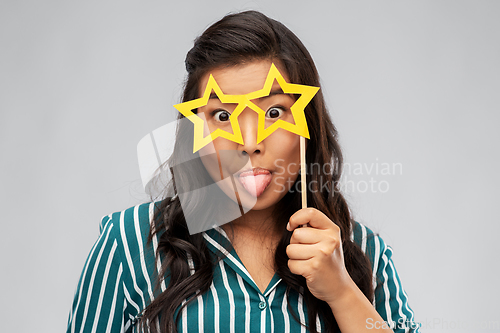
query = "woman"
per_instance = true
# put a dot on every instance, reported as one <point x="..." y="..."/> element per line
<point x="273" y="268"/>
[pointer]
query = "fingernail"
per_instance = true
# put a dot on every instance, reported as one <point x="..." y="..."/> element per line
<point x="288" y="226"/>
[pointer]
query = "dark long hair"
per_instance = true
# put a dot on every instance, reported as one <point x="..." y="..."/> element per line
<point x="237" y="39"/>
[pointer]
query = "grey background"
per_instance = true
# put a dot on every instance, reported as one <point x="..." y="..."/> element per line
<point x="410" y="82"/>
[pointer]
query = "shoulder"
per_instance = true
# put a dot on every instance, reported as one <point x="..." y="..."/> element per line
<point x="391" y="300"/>
<point x="372" y="245"/>
<point x="131" y="225"/>
<point x="365" y="238"/>
<point x="117" y="279"/>
<point x="131" y="228"/>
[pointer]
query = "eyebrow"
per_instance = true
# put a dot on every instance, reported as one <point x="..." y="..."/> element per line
<point x="273" y="92"/>
<point x="277" y="91"/>
<point x="213" y="95"/>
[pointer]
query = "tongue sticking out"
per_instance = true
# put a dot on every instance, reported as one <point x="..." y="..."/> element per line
<point x="255" y="184"/>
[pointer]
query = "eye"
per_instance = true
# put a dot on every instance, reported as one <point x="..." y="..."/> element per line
<point x="275" y="112"/>
<point x="221" y="115"/>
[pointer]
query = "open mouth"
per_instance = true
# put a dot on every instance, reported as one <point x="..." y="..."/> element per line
<point x="255" y="181"/>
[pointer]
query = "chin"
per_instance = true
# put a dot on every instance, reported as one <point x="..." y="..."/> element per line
<point x="262" y="202"/>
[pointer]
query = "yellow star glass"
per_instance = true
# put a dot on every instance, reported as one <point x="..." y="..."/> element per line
<point x="243" y="101"/>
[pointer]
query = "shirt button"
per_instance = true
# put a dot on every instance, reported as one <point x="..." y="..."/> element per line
<point x="262" y="305"/>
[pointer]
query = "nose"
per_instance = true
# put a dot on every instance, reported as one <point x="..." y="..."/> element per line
<point x="248" y="121"/>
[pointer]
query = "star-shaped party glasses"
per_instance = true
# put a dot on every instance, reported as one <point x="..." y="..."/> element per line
<point x="243" y="101"/>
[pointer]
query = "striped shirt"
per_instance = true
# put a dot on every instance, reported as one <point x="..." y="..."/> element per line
<point x="118" y="282"/>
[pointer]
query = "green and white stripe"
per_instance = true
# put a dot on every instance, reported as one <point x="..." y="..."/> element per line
<point x="119" y="276"/>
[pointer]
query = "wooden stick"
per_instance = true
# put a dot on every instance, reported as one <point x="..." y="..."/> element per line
<point x="303" y="182"/>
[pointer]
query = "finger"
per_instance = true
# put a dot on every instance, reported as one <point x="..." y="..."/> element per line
<point x="300" y="251"/>
<point x="299" y="267"/>
<point x="307" y="235"/>
<point x="314" y="217"/>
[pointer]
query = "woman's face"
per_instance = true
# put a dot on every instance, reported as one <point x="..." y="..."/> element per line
<point x="262" y="172"/>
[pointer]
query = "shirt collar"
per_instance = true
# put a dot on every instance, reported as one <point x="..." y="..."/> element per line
<point x="218" y="242"/>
